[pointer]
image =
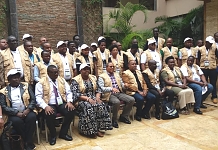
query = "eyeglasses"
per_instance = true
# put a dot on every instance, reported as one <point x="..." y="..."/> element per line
<point x="111" y="66"/>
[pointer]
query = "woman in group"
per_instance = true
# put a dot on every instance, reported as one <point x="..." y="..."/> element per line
<point x="175" y="81"/>
<point x="93" y="114"/>
<point x="116" y="59"/>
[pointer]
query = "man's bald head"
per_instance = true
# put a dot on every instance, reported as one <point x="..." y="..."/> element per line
<point x="169" y="42"/>
<point x="132" y="65"/>
<point x="151" y="62"/>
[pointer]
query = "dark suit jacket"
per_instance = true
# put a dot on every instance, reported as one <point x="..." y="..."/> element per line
<point x="9" y="110"/>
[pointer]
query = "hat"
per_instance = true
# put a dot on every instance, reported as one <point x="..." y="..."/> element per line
<point x="84" y="46"/>
<point x="12" y="72"/>
<point x="151" y="42"/>
<point x="100" y="38"/>
<point x="188" y="38"/>
<point x="210" y="39"/>
<point x="60" y="43"/>
<point x="26" y="36"/>
<point x="94" y="44"/>
<point x="82" y="66"/>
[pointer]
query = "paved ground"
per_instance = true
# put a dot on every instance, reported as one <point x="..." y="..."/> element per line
<point x="189" y="132"/>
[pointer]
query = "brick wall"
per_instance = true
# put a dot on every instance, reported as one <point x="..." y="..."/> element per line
<point x="53" y="19"/>
<point x="211" y="16"/>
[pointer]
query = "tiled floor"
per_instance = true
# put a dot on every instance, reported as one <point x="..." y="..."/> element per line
<point x="190" y="132"/>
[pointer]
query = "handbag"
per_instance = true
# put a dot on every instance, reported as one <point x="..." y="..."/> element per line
<point x="169" y="111"/>
<point x="4" y="138"/>
<point x="16" y="142"/>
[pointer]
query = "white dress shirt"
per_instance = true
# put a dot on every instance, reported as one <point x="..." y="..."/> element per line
<point x="52" y="101"/>
<point x="16" y="100"/>
<point x="17" y="61"/>
<point x="195" y="76"/>
<point x="65" y="61"/>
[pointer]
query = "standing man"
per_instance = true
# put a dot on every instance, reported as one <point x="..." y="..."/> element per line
<point x="42" y="40"/>
<point x="120" y="49"/>
<point x="3" y="44"/>
<point x="15" y="58"/>
<point x="53" y="95"/>
<point x="207" y="56"/>
<point x="139" y="50"/>
<point x="18" y="102"/>
<point x="65" y="62"/>
<point x="159" y="41"/>
<point x="28" y="46"/>
<point x="169" y="50"/>
<point x="151" y="54"/>
<point x="112" y="87"/>
<point x="138" y="89"/>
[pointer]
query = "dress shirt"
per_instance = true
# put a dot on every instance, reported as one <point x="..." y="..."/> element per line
<point x="31" y="58"/>
<point x="217" y="45"/>
<point x="103" y="57"/>
<point x="17" y="61"/>
<point x="155" y="56"/>
<point x="16" y="100"/>
<point x="195" y="76"/>
<point x="66" y="66"/>
<point x="37" y="73"/>
<point x="52" y="101"/>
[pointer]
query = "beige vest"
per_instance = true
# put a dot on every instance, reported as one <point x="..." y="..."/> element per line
<point x="171" y="75"/>
<point x="139" y="52"/>
<point x="131" y="57"/>
<point x="57" y="60"/>
<point x="167" y="53"/>
<point x="149" y="57"/>
<point x="80" y="81"/>
<point x="43" y="69"/>
<point x="97" y="53"/>
<point x="211" y="57"/>
<point x="185" y="54"/>
<point x="190" y="74"/>
<point x="47" y="91"/>
<point x="118" y="63"/>
<point x="108" y="83"/>
<point x="160" y="43"/>
<point x="83" y="61"/>
<point x="154" y="80"/>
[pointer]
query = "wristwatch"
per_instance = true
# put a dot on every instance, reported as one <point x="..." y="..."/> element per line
<point x="1" y="117"/>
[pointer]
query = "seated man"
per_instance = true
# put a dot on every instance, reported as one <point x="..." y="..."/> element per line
<point x="152" y="79"/>
<point x="138" y="89"/>
<point x="53" y="95"/>
<point x="112" y="85"/>
<point x="18" y="101"/>
<point x="197" y="82"/>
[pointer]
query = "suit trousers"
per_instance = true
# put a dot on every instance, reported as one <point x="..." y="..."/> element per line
<point x="115" y="100"/>
<point x="25" y="127"/>
<point x="212" y="75"/>
<point x="68" y="117"/>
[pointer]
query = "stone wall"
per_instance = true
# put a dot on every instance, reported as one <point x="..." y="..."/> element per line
<point x="53" y="19"/>
<point x="211" y="16"/>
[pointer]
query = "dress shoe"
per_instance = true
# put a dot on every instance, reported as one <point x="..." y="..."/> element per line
<point x="99" y="134"/>
<point x="157" y="116"/>
<point x="52" y="141"/>
<point x="214" y="100"/>
<point x="146" y="116"/>
<point x="197" y="111"/>
<point x="115" y="124"/>
<point x="138" y="118"/>
<point x="66" y="137"/>
<point x="203" y="106"/>
<point x="124" y="120"/>
<point x="32" y="146"/>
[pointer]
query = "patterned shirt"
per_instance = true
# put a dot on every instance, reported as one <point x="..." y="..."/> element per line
<point x="113" y="80"/>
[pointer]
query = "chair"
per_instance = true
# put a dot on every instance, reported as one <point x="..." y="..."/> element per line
<point x="37" y="132"/>
<point x="58" y="116"/>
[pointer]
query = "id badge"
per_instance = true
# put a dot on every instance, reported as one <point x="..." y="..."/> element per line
<point x="138" y="68"/>
<point x="59" y="100"/>
<point x="67" y="73"/>
<point x="157" y="86"/>
<point x="206" y="63"/>
<point x="18" y="70"/>
<point x="157" y="64"/>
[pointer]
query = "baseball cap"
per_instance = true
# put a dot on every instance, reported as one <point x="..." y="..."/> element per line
<point x="100" y="38"/>
<point x="60" y="43"/>
<point x="12" y="72"/>
<point x="84" y="46"/>
<point x="188" y="38"/>
<point x="210" y="39"/>
<point x="82" y="66"/>
<point x="26" y="36"/>
<point x="151" y="42"/>
<point x="94" y="44"/>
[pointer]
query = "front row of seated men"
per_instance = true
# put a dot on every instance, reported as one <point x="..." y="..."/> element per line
<point x="87" y="94"/>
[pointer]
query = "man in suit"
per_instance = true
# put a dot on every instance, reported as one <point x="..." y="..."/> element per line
<point x="18" y="102"/>
<point x="53" y="95"/>
<point x="112" y="89"/>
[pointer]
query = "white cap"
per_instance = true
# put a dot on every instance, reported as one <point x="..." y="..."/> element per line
<point x="84" y="46"/>
<point x="94" y="44"/>
<point x="210" y="39"/>
<point x="100" y="38"/>
<point x="82" y="66"/>
<point x="26" y="36"/>
<point x="60" y="43"/>
<point x="12" y="72"/>
<point x="151" y="42"/>
<point x="188" y="38"/>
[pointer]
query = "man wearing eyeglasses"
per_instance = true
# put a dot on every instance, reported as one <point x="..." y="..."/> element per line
<point x="112" y="88"/>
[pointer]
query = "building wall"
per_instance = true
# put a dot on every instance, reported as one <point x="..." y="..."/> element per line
<point x="169" y="8"/>
<point x="54" y="20"/>
<point x="211" y="18"/>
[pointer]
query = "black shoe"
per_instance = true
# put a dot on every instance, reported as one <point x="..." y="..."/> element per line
<point x="66" y="137"/>
<point x="138" y="118"/>
<point x="203" y="106"/>
<point x="197" y="111"/>
<point x="115" y="124"/>
<point x="52" y="141"/>
<point x="157" y="116"/>
<point x="146" y="116"/>
<point x="32" y="146"/>
<point x="125" y="120"/>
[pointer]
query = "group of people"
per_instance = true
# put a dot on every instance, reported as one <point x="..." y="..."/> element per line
<point x="87" y="79"/>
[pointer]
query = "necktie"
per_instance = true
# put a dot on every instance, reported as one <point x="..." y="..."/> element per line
<point x="56" y="94"/>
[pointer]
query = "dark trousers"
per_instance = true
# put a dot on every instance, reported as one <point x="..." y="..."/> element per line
<point x="50" y="119"/>
<point x="170" y="94"/>
<point x="212" y="75"/>
<point x="156" y="101"/>
<point x="25" y="127"/>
